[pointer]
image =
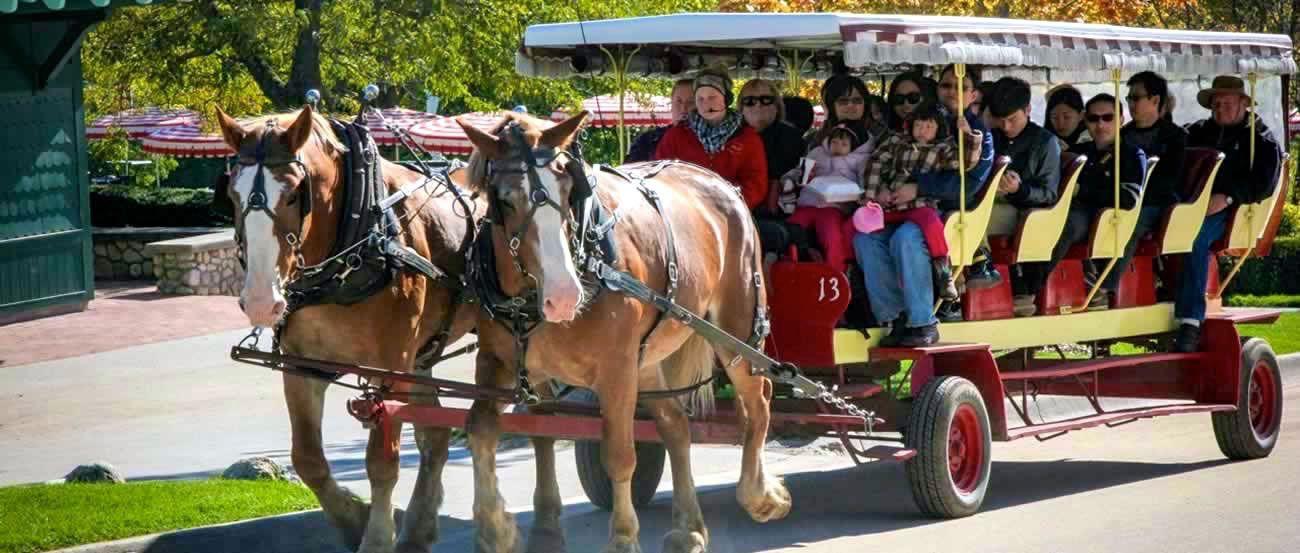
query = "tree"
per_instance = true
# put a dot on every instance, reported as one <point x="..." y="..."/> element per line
<point x="253" y="56"/>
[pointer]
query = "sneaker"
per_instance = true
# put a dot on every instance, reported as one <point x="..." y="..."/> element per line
<point x="1100" y="301"/>
<point x="950" y="312"/>
<point x="895" y="334"/>
<point x="944" y="286"/>
<point x="1189" y="338"/>
<point x="1023" y="305"/>
<point x="920" y="337"/>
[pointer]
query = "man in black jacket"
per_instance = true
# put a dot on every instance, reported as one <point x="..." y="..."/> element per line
<point x="1148" y="98"/>
<point x="683" y="98"/>
<point x="1096" y="191"/>
<point x="1031" y="181"/>
<point x="1243" y="178"/>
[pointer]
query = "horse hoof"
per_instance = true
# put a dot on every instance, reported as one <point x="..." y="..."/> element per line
<point x="772" y="504"/>
<point x="500" y="536"/>
<point x="546" y="540"/>
<point x="681" y="541"/>
<point x="623" y="545"/>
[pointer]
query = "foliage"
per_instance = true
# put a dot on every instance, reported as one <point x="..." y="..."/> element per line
<point x="44" y="517"/>
<point x="103" y="153"/>
<point x="133" y="206"/>
<point x="1290" y="225"/>
<point x="1274" y="274"/>
<point x="251" y="56"/>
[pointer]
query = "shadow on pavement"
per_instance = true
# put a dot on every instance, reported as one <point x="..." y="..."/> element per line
<point x="298" y="533"/>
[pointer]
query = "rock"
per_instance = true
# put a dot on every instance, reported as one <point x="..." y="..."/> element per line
<point x="183" y="290"/>
<point x="136" y="270"/>
<point x="96" y="472"/>
<point x="193" y="277"/>
<point x="103" y="268"/>
<point x="114" y="251"/>
<point x="147" y="268"/>
<point x="101" y="250"/>
<point x="120" y="269"/>
<point x="132" y="256"/>
<point x="258" y="468"/>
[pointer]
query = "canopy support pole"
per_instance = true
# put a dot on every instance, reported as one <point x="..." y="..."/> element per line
<point x="959" y="71"/>
<point x="620" y="63"/>
<point x="1116" y="251"/>
<point x="1251" y="78"/>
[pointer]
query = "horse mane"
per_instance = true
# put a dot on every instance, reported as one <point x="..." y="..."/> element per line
<point x="320" y="128"/>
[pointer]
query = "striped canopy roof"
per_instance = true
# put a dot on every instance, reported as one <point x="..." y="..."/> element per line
<point x="185" y="142"/>
<point x="400" y="118"/>
<point x="445" y="136"/>
<point x="884" y="41"/>
<point x="638" y="111"/>
<point x="140" y="122"/>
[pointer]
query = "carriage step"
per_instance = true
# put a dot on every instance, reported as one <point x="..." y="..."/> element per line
<point x="888" y="453"/>
<point x="1047" y="431"/>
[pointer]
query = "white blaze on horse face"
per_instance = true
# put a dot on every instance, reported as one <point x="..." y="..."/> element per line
<point x="261" y="297"/>
<point x="561" y="291"/>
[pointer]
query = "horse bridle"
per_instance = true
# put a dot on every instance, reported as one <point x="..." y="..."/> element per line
<point x="257" y="198"/>
<point x="534" y="159"/>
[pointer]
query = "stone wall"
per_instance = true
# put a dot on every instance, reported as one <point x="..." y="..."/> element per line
<point x="120" y="252"/>
<point x="206" y="265"/>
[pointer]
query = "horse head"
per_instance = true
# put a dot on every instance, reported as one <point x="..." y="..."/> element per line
<point x="286" y="164"/>
<point x="535" y="185"/>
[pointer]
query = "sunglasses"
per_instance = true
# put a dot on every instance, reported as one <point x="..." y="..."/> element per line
<point x="911" y="98"/>
<point x="1096" y="117"/>
<point x="751" y="101"/>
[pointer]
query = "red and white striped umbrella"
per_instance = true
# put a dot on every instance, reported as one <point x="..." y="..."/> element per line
<point x="140" y="122"/>
<point x="445" y="136"/>
<point x="638" y="111"/>
<point x="819" y="116"/>
<point x="401" y="118"/>
<point x="1293" y="122"/>
<point x="185" y="142"/>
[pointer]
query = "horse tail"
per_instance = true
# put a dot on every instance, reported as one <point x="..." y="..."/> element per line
<point x="692" y="364"/>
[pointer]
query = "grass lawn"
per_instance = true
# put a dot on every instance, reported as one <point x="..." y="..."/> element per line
<point x="42" y="517"/>
<point x="1284" y="335"/>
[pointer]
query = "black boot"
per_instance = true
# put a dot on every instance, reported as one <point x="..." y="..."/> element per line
<point x="894" y="335"/>
<point x="944" y="286"/>
<point x="950" y="312"/>
<point x="1189" y="338"/>
<point x="919" y="337"/>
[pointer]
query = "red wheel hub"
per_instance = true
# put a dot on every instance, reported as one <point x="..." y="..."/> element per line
<point x="1262" y="400"/>
<point x="965" y="449"/>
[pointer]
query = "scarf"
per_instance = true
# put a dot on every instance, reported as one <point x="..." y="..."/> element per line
<point x="714" y="137"/>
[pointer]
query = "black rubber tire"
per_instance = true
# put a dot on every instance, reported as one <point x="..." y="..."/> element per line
<point x="928" y="427"/>
<point x="1237" y="436"/>
<point x="591" y="470"/>
<point x="597" y="485"/>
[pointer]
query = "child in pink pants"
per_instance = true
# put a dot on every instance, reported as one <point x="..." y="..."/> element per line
<point x="841" y="156"/>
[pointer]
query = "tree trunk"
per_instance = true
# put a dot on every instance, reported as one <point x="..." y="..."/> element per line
<point x="305" y="73"/>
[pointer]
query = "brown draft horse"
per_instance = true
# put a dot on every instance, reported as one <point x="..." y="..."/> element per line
<point x="303" y="162"/>
<point x="594" y="342"/>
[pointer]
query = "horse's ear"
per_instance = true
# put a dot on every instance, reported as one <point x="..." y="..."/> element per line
<point x="231" y="131"/>
<point x="300" y="131"/>
<point x="485" y="143"/>
<point x="561" y="134"/>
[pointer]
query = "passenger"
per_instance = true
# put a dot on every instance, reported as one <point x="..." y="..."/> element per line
<point x="843" y="156"/>
<point x="898" y="254"/>
<point x="926" y="148"/>
<point x="1240" y="180"/>
<point x="844" y="98"/>
<point x="1148" y="101"/>
<point x="946" y="185"/>
<point x="763" y="109"/>
<point x="1096" y="192"/>
<point x="1031" y="181"/>
<point x="1065" y="115"/>
<point x="716" y="137"/>
<point x="905" y="93"/>
<point x="876" y="112"/>
<point x="683" y="101"/>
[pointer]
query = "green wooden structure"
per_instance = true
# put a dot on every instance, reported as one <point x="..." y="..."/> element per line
<point x="46" y="265"/>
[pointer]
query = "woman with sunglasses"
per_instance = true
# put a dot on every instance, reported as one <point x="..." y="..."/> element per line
<point x="905" y="93"/>
<point x="845" y="99"/>
<point x="763" y="109"/>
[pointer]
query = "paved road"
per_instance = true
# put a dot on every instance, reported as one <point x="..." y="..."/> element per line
<point x="181" y="409"/>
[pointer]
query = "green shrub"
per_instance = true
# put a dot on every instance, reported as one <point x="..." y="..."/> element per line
<point x="134" y="206"/>
<point x="1274" y="300"/>
<point x="103" y="154"/>
<point x="1290" y="225"/>
<point x="1263" y="276"/>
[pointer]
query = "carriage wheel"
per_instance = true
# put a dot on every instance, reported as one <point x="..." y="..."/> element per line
<point x="596" y="483"/>
<point x="1251" y="431"/>
<point x="949" y="429"/>
<point x="591" y="470"/>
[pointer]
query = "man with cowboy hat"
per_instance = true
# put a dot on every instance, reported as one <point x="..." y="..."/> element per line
<point x="1241" y="179"/>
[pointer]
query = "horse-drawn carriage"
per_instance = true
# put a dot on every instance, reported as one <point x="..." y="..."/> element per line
<point x="936" y="408"/>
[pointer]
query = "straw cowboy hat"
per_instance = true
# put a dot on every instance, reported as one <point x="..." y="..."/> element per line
<point x="1223" y="84"/>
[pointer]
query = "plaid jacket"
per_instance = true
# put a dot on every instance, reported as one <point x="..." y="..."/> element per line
<point x="899" y="159"/>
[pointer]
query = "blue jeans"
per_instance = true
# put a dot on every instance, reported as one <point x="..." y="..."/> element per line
<point x="898" y="273"/>
<point x="1189" y="303"/>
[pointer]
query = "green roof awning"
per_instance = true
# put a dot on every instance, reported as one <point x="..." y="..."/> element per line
<point x="37" y="6"/>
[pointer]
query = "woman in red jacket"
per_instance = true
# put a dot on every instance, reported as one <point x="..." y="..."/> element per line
<point x="716" y="137"/>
